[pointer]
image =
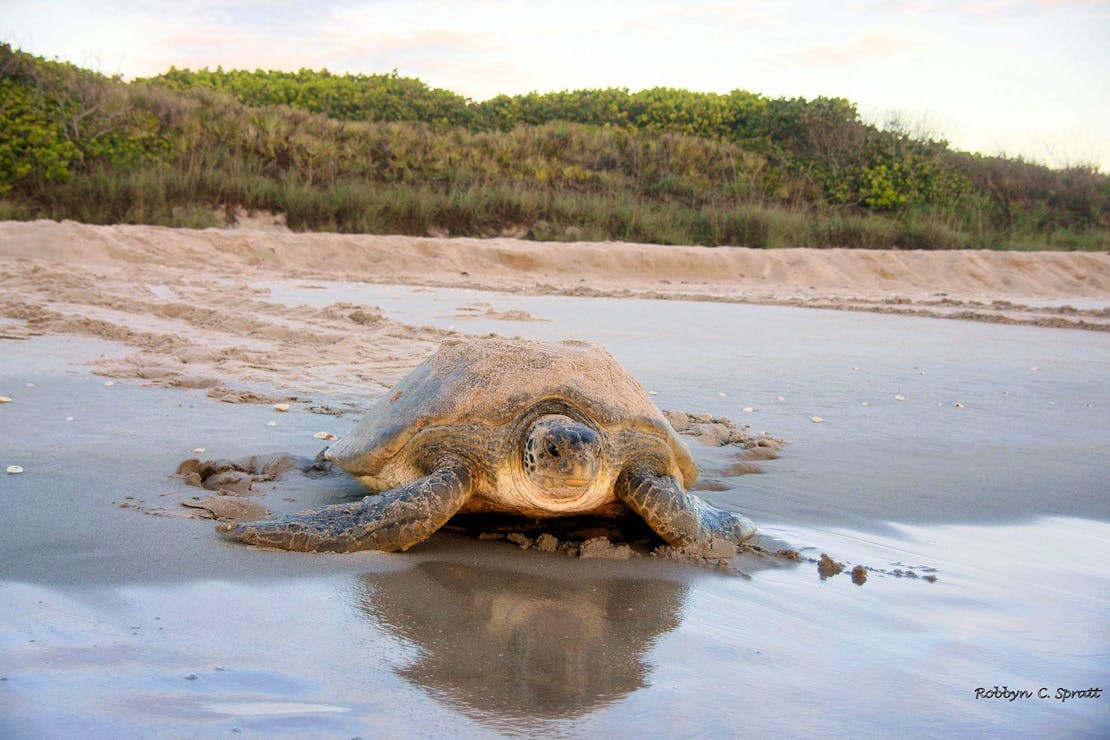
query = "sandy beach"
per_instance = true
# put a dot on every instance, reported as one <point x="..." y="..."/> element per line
<point x="959" y="459"/>
<point x="193" y="308"/>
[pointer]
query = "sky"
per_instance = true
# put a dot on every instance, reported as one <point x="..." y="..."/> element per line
<point x="1026" y="78"/>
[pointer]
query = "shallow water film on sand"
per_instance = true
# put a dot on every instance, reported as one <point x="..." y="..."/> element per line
<point x="957" y="479"/>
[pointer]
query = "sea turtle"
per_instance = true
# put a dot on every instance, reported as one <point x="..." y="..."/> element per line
<point x="537" y="429"/>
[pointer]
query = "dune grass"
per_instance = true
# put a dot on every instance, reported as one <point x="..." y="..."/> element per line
<point x="591" y="165"/>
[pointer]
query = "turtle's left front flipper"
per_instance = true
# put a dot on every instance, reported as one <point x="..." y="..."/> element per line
<point x="395" y="520"/>
<point x="680" y="518"/>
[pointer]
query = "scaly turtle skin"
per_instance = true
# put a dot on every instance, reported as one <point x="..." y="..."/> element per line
<point x="538" y="429"/>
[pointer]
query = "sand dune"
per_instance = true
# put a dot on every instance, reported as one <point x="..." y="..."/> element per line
<point x="188" y="304"/>
<point x="512" y="264"/>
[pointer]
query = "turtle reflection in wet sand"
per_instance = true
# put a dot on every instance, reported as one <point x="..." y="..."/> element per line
<point x="515" y="645"/>
<point x="529" y="428"/>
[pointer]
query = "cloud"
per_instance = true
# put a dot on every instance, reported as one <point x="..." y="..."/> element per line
<point x="869" y="46"/>
<point x="337" y="37"/>
<point x="415" y="45"/>
<point x="1024" y="8"/>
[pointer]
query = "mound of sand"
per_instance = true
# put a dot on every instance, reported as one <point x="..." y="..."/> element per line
<point x="187" y="301"/>
<point x="636" y="268"/>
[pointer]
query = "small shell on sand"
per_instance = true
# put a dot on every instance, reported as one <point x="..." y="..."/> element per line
<point x="816" y="419"/>
<point x="866" y="403"/>
<point x="109" y="383"/>
<point x="325" y="435"/>
<point x="281" y="407"/>
<point x="899" y="398"/>
<point x="199" y="450"/>
<point x="30" y="385"/>
<point x="780" y="398"/>
<point x="748" y="410"/>
<point x="722" y="394"/>
<point x="14" y="470"/>
<point x="71" y="418"/>
<point x="958" y="405"/>
<point x="5" y="399"/>
<point x="653" y="393"/>
<point x="271" y="423"/>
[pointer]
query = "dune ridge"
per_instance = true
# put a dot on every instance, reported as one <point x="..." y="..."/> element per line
<point x="511" y="262"/>
<point x="69" y="277"/>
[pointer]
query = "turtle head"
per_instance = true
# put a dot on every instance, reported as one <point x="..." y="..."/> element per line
<point x="561" y="456"/>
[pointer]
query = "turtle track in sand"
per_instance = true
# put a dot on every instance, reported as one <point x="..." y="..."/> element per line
<point x="189" y="332"/>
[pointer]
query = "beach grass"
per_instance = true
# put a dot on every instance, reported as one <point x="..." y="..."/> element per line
<point x="188" y="150"/>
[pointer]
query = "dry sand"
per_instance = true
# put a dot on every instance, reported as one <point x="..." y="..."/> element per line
<point x="186" y="301"/>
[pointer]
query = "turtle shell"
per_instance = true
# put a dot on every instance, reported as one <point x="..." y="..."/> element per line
<point x="493" y="381"/>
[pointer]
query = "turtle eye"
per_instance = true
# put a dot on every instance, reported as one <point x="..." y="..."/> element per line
<point x="552" y="449"/>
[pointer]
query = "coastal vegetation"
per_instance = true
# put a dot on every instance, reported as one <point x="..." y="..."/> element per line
<point x="389" y="154"/>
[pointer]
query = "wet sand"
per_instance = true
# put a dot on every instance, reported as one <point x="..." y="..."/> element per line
<point x="979" y="460"/>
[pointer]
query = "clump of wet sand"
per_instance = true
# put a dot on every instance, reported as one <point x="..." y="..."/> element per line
<point x="741" y="468"/>
<point x="719" y="431"/>
<point x="600" y="548"/>
<point x="827" y="568"/>
<point x="234" y="476"/>
<point x="718" y="556"/>
<point x="226" y="506"/>
<point x="231" y="483"/>
<point x="616" y="540"/>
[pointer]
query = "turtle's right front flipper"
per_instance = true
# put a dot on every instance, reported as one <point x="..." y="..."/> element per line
<point x="394" y="520"/>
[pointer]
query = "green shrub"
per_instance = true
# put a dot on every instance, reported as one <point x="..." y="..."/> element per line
<point x="374" y="153"/>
